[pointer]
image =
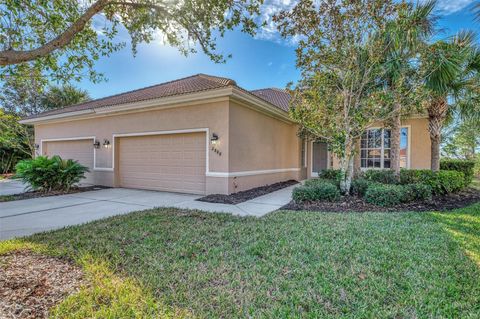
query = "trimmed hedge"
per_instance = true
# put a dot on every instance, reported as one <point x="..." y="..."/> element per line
<point x="384" y="176"/>
<point x="416" y="192"/>
<point x="332" y="174"/>
<point x="360" y="186"/>
<point x="385" y="194"/>
<point x="465" y="166"/>
<point x="316" y="181"/>
<point x="316" y="192"/>
<point x="391" y="195"/>
<point x="441" y="182"/>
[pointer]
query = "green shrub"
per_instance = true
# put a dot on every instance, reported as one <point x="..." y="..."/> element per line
<point x="384" y="176"/>
<point x="465" y="166"/>
<point x="325" y="191"/>
<point x="416" y="192"/>
<point x="385" y="194"/>
<point x="316" y="181"/>
<point x="332" y="174"/>
<point x="441" y="182"/>
<point x="50" y="174"/>
<point x="360" y="186"/>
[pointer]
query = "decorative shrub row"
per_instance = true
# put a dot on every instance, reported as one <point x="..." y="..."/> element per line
<point x="441" y="182"/>
<point x="384" y="176"/>
<point x="316" y="191"/>
<point x="467" y="167"/>
<point x="391" y="194"/>
<point x="50" y="174"/>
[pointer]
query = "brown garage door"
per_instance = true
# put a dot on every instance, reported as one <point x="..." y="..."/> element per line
<point x="79" y="150"/>
<point x="173" y="162"/>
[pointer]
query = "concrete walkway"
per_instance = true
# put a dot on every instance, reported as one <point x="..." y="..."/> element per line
<point x="26" y="217"/>
<point x="10" y="187"/>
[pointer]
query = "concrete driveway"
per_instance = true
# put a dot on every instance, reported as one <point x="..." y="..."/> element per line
<point x="26" y="217"/>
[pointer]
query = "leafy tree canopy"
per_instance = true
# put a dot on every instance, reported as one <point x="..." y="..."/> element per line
<point x="340" y="52"/>
<point x="56" y="38"/>
<point x="22" y="97"/>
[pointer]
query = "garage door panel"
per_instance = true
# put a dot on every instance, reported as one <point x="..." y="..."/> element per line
<point x="79" y="150"/>
<point x="174" y="162"/>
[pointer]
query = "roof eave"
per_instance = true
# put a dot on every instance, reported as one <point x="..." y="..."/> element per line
<point x="230" y="91"/>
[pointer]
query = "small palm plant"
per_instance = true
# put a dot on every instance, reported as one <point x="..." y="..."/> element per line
<point x="50" y="174"/>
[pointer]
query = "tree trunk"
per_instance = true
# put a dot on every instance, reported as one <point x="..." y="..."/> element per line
<point x="346" y="168"/>
<point x="395" y="140"/>
<point x="437" y="112"/>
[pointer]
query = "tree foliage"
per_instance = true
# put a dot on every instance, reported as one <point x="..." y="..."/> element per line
<point x="25" y="97"/>
<point x="58" y="39"/>
<point x="340" y="53"/>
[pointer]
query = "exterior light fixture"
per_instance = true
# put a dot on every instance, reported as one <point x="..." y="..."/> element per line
<point x="106" y="143"/>
<point x="36" y="146"/>
<point x="96" y="144"/>
<point x="214" y="139"/>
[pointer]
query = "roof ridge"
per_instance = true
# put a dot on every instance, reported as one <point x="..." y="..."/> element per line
<point x="127" y="92"/>
<point x="217" y="79"/>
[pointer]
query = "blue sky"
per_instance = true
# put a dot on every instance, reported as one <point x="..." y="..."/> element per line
<point x="263" y="61"/>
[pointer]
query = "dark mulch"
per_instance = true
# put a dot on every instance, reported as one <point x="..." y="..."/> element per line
<point x="356" y="204"/>
<point x="31" y="284"/>
<point x="243" y="196"/>
<point x="35" y="194"/>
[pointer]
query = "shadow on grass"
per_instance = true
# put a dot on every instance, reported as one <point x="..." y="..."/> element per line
<point x="105" y="295"/>
<point x="463" y="225"/>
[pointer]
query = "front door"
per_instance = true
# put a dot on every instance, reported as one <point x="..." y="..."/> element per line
<point x="320" y="157"/>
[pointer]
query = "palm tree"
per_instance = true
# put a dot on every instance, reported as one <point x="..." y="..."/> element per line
<point x="404" y="37"/>
<point x="450" y="69"/>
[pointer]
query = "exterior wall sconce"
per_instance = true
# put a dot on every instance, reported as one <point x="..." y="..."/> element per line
<point x="106" y="143"/>
<point x="36" y="146"/>
<point x="96" y="144"/>
<point x="214" y="139"/>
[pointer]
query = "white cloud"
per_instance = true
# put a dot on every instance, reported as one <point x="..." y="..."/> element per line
<point x="268" y="10"/>
<point x="447" y="7"/>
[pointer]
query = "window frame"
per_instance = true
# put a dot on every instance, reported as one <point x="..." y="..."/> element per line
<point x="382" y="148"/>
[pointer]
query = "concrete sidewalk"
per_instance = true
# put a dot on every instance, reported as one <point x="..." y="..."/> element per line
<point x="26" y="217"/>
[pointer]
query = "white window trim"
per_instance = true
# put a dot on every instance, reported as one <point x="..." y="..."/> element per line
<point x="409" y="139"/>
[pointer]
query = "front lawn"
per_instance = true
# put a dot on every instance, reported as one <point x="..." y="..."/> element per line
<point x="287" y="264"/>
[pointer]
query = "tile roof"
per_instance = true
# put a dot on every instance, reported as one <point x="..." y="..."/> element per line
<point x="278" y="97"/>
<point x="191" y="84"/>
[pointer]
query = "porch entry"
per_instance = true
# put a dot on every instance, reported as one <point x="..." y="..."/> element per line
<point x="319" y="157"/>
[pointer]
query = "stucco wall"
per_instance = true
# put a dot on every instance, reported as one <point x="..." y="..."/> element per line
<point x="213" y="116"/>
<point x="259" y="142"/>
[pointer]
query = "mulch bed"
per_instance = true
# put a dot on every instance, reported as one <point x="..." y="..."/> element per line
<point x="31" y="284"/>
<point x="243" y="196"/>
<point x="34" y="194"/>
<point x="356" y="204"/>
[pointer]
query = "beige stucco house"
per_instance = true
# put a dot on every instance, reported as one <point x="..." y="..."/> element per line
<point x="202" y="134"/>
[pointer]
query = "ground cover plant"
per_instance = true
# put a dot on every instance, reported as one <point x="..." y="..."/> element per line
<point x="286" y="264"/>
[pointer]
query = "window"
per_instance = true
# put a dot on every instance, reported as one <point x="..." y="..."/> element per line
<point x="375" y="148"/>
<point x="304" y="153"/>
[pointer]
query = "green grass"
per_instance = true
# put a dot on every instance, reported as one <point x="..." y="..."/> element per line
<point x="285" y="265"/>
<point x="6" y="198"/>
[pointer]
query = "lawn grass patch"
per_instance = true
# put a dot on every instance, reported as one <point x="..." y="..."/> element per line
<point x="288" y="264"/>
